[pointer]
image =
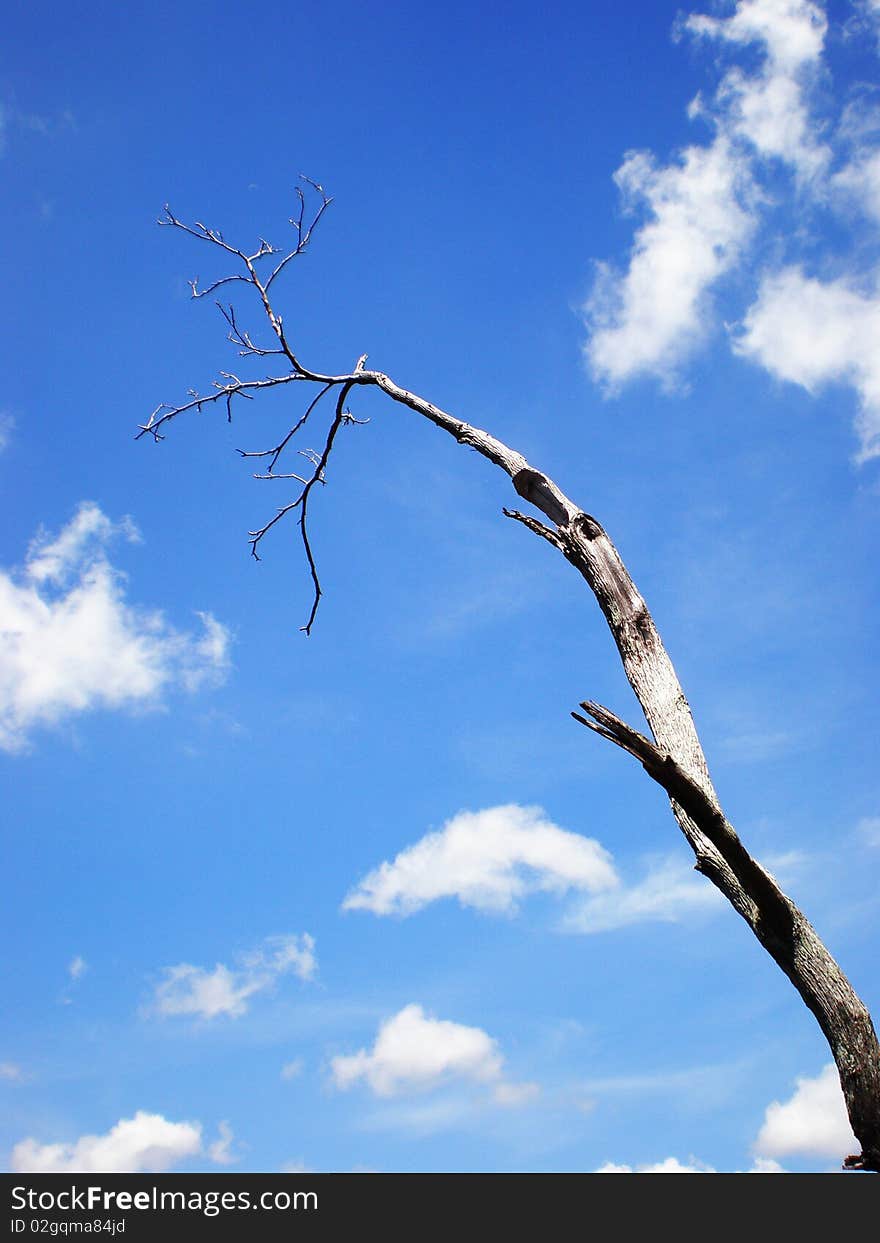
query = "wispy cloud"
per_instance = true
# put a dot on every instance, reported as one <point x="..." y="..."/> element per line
<point x="669" y="891"/>
<point x="711" y="1082"/>
<point x="7" y="422"/>
<point x="221" y="1151"/>
<point x="11" y="1072"/>
<point x="208" y="994"/>
<point x="15" y="120"/>
<point x="77" y="968"/>
<point x="73" y="643"/>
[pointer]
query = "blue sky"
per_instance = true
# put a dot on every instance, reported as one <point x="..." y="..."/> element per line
<point x="370" y="899"/>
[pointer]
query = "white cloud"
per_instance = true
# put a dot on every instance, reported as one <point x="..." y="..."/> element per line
<point x="812" y="333"/>
<point x="73" y="643"/>
<point x="11" y="1072"/>
<point x="669" y="891"/>
<point x="868" y="828"/>
<point x="487" y="859"/>
<point x="415" y="1052"/>
<point x="77" y="968"/>
<point x="650" y="319"/>
<point x="208" y="994"/>
<point x="792" y="31"/>
<point x="292" y="1070"/>
<point x="7" y="422"/>
<point x="144" y="1142"/>
<point x="813" y="1122"/>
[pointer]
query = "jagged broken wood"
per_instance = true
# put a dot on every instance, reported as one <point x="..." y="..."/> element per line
<point x="675" y="758"/>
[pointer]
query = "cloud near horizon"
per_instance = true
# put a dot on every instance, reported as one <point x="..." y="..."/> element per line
<point x="73" y="643"/>
<point x="672" y="1165"/>
<point x="145" y="1143"/>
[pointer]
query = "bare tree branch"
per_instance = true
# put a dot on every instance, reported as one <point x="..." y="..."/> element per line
<point x="674" y="759"/>
<point x="238" y="337"/>
<point x="224" y="392"/>
<point x="339" y="418"/>
<point x="282" y="445"/>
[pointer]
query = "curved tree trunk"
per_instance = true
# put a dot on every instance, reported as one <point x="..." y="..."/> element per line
<point x="678" y="764"/>
<point x="674" y="759"/>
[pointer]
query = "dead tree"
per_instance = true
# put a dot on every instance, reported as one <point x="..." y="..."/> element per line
<point x="674" y="759"/>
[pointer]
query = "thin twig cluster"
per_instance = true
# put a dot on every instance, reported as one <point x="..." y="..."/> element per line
<point x="260" y="269"/>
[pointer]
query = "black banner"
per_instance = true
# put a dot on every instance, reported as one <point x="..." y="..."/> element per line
<point x="286" y="1206"/>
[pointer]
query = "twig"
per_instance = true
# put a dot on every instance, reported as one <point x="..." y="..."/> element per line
<point x="535" y="526"/>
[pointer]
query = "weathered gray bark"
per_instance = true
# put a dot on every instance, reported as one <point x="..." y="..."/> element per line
<point x="678" y="764"/>
<point x="675" y="759"/>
